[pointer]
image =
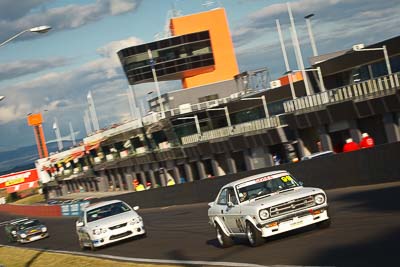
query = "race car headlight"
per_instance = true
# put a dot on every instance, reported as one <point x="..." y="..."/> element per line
<point x="264" y="214"/>
<point x="319" y="199"/>
<point x="23" y="235"/>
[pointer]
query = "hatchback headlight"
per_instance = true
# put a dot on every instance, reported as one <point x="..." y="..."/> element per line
<point x="99" y="231"/>
<point x="23" y="235"/>
<point x="264" y="214"/>
<point x="319" y="199"/>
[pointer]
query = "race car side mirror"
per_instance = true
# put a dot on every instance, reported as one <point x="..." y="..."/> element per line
<point x="301" y="183"/>
<point x="14" y="232"/>
<point x="136" y="208"/>
<point x="79" y="224"/>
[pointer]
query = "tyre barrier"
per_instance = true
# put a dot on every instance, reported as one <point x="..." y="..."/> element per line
<point x="74" y="209"/>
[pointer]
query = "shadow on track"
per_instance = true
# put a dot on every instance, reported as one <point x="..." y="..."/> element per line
<point x="376" y="200"/>
<point x="381" y="251"/>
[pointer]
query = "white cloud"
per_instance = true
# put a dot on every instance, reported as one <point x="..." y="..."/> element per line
<point x="110" y="50"/>
<point x="60" y="18"/>
<point x="122" y="6"/>
<point x="20" y="68"/>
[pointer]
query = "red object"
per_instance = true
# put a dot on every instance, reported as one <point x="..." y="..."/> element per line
<point x="352" y="146"/>
<point x="18" y="178"/>
<point x="32" y="210"/>
<point x="21" y="187"/>
<point x="367" y="142"/>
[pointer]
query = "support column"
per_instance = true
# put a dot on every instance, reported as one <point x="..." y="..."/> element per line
<point x="231" y="164"/>
<point x="112" y="176"/>
<point x="143" y="179"/>
<point x="128" y="178"/>
<point x="269" y="161"/>
<point x="188" y="172"/>
<point x="119" y="177"/>
<point x="355" y="133"/>
<point x="152" y="178"/>
<point x="247" y="160"/>
<point x="391" y="128"/>
<point x="102" y="181"/>
<point x="177" y="174"/>
<point x="217" y="170"/>
<point x="64" y="189"/>
<point x="201" y="169"/>
<point x="69" y="187"/>
<point x="325" y="139"/>
<point x="95" y="185"/>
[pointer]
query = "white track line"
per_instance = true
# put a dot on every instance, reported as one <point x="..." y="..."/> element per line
<point x="128" y="259"/>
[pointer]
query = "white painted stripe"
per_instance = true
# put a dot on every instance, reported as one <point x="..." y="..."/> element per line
<point x="129" y="259"/>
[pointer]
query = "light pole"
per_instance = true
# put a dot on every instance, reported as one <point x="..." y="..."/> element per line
<point x="228" y="119"/>
<point x="310" y="33"/>
<point x="153" y="69"/>
<point x="360" y="48"/>
<point x="39" y="29"/>
<point x="196" y="121"/>
<point x="285" y="58"/>
<point x="318" y="70"/>
<point x="262" y="98"/>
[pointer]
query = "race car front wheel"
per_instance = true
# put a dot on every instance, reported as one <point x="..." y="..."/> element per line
<point x="223" y="240"/>
<point x="253" y="235"/>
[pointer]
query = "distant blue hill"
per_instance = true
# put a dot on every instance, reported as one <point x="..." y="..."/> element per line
<point x="24" y="158"/>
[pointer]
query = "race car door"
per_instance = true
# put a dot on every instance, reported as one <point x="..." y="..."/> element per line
<point x="233" y="214"/>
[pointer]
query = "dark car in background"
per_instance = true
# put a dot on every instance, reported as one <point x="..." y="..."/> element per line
<point x="25" y="230"/>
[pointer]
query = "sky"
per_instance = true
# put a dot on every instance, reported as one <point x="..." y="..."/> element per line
<point x="52" y="73"/>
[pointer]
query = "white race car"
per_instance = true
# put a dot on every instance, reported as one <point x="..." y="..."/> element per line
<point x="107" y="222"/>
<point x="264" y="205"/>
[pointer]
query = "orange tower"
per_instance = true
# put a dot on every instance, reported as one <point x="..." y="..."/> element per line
<point x="36" y="120"/>
<point x="215" y="21"/>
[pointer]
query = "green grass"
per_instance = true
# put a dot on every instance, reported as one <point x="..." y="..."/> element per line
<point x="30" y="200"/>
<point x="17" y="257"/>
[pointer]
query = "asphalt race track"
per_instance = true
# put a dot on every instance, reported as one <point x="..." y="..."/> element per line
<point x="365" y="231"/>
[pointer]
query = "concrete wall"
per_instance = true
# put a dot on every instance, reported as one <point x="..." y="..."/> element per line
<point x="368" y="166"/>
<point x="32" y="210"/>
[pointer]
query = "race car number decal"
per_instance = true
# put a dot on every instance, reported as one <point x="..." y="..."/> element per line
<point x="240" y="225"/>
<point x="286" y="178"/>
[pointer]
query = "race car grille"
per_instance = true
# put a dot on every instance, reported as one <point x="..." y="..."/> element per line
<point x="117" y="226"/>
<point x="113" y="237"/>
<point x="33" y="233"/>
<point x="291" y="206"/>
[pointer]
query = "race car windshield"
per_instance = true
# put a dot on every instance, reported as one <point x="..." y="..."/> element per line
<point x="107" y="211"/>
<point x="265" y="185"/>
<point x="29" y="224"/>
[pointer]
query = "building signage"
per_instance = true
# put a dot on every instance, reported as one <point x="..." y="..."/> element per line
<point x="16" y="178"/>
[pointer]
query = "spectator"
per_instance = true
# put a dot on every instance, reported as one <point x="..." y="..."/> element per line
<point x="350" y="145"/>
<point x="148" y="185"/>
<point x="140" y="187"/>
<point x="367" y="141"/>
<point x="276" y="159"/>
<point x="170" y="181"/>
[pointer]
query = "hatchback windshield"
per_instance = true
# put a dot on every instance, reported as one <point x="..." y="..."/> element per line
<point x="107" y="211"/>
<point x="265" y="185"/>
<point x="29" y="224"/>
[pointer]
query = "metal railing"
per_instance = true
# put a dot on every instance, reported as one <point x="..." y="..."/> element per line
<point x="358" y="91"/>
<point x="250" y="126"/>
